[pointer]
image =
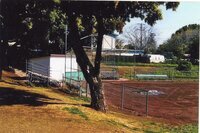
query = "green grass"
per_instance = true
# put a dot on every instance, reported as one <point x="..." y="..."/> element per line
<point x="118" y="124"/>
<point x="74" y="110"/>
<point x="163" y="69"/>
<point x="85" y="99"/>
<point x="152" y="127"/>
<point x="195" y="68"/>
<point x="144" y="64"/>
<point x="189" y="128"/>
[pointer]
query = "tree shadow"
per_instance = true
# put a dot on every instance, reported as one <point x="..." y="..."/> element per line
<point x="18" y="78"/>
<point x="11" y="96"/>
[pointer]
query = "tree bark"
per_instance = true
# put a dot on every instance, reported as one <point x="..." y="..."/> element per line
<point x="1" y="61"/>
<point x="1" y="57"/>
<point x="90" y="72"/>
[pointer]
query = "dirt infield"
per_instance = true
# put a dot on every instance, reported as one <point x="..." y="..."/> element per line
<point x="177" y="103"/>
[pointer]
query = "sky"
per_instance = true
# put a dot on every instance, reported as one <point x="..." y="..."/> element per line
<point x="186" y="13"/>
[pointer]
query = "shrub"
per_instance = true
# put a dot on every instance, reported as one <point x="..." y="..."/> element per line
<point x="184" y="65"/>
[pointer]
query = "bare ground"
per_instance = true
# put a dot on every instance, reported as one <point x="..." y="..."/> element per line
<point x="178" y="104"/>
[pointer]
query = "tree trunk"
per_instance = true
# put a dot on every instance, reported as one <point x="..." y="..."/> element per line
<point x="1" y="58"/>
<point x="92" y="74"/>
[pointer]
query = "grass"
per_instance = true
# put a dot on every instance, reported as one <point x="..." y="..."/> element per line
<point x="150" y="127"/>
<point x="152" y="68"/>
<point x="74" y="110"/>
<point x="190" y="128"/>
<point x="119" y="124"/>
<point x="144" y="64"/>
<point x="85" y="99"/>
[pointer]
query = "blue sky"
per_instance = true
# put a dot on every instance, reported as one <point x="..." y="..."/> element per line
<point x="186" y="13"/>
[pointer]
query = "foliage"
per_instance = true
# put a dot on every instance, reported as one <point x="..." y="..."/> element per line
<point x="119" y="44"/>
<point x="74" y="110"/>
<point x="57" y="30"/>
<point x="173" y="60"/>
<point x="184" y="65"/>
<point x="194" y="50"/>
<point x="183" y="41"/>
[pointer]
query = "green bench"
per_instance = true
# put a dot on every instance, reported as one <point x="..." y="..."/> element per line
<point x="151" y="76"/>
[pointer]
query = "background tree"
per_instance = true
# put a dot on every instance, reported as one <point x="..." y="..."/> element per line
<point x="140" y="37"/>
<point x="119" y="44"/>
<point x="151" y="44"/>
<point x="194" y="50"/>
<point x="183" y="41"/>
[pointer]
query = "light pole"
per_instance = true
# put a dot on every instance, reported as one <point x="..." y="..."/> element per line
<point x="66" y="33"/>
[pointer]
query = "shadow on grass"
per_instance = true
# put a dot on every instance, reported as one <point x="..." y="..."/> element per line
<point x="18" y="78"/>
<point x="11" y="96"/>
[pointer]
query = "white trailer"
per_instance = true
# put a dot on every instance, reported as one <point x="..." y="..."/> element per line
<point x="156" y="58"/>
<point x="52" y="67"/>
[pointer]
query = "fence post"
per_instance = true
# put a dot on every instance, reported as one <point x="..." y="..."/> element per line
<point x="48" y="76"/>
<point x="122" y="97"/>
<point x="86" y="89"/>
<point x="31" y="72"/>
<point x="147" y="93"/>
<point x="80" y="93"/>
<point x="134" y="74"/>
<point x="27" y="70"/>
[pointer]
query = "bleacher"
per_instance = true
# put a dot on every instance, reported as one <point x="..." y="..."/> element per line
<point x="109" y="75"/>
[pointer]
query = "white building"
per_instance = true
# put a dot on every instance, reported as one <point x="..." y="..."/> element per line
<point x="53" y="66"/>
<point x="108" y="42"/>
<point x="156" y="58"/>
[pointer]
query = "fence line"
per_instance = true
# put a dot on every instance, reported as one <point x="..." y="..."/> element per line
<point x="125" y="97"/>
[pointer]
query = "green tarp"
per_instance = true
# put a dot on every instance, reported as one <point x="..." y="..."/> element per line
<point x="74" y="76"/>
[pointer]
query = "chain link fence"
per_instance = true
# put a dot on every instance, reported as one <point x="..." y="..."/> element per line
<point x="163" y="99"/>
<point x="126" y="98"/>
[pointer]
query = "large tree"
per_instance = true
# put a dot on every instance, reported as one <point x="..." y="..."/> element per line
<point x="109" y="16"/>
<point x="82" y="19"/>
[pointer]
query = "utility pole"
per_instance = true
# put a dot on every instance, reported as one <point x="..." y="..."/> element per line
<point x="141" y="34"/>
<point x="66" y="32"/>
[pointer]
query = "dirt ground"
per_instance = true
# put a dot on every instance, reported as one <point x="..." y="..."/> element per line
<point x="178" y="103"/>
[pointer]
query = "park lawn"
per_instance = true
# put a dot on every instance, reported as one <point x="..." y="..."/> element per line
<point x="38" y="109"/>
